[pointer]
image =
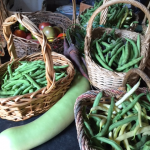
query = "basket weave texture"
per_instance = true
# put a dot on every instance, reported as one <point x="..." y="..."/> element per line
<point x="101" y="77"/>
<point x="87" y="99"/>
<point x="22" y="107"/>
<point x="27" y="47"/>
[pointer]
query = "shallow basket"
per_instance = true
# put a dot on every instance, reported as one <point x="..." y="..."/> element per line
<point x="99" y="76"/>
<point x="22" y="107"/>
<point x="87" y="99"/>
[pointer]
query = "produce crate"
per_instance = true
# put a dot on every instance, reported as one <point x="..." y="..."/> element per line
<point x="103" y="78"/>
<point x="21" y="107"/>
<point x="84" y="6"/>
<point x="88" y="127"/>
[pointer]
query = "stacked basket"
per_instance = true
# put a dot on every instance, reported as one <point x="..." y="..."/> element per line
<point x="22" y="107"/>
<point x="102" y="78"/>
<point x="86" y="101"/>
<point x="26" y="47"/>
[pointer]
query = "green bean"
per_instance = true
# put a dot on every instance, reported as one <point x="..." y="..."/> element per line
<point x="41" y="79"/>
<point x="107" y="58"/>
<point x="116" y="48"/>
<point x="112" y="16"/>
<point x="147" y="145"/>
<point x="121" y="58"/>
<point x="60" y="76"/>
<point x="115" y="55"/>
<point x="60" y="67"/>
<point x="20" y="89"/>
<point x="125" y="16"/>
<point x="129" y="64"/>
<point x="99" y="50"/>
<point x="111" y="46"/>
<point x="5" y="78"/>
<point x="40" y="76"/>
<point x="108" y="141"/>
<point x="139" y="44"/>
<point x="37" y="73"/>
<point x="32" y="81"/>
<point x="121" y="122"/>
<point x="88" y="129"/>
<point x="16" y="86"/>
<point x="27" y="89"/>
<point x="126" y="55"/>
<point x="148" y="96"/>
<point x="13" y="82"/>
<point x="105" y="129"/>
<point x="3" y="93"/>
<point x="31" y="91"/>
<point x="9" y="71"/>
<point x="97" y="101"/>
<point x="102" y="63"/>
<point x="138" y="145"/>
<point x="131" y="105"/>
<point x="134" y="47"/>
<point x="105" y="44"/>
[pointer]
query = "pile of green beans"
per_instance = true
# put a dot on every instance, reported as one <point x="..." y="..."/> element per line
<point x="119" y="16"/>
<point x="108" y="126"/>
<point x="116" y="54"/>
<point x="27" y="78"/>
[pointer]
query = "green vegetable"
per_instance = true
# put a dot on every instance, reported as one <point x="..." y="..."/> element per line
<point x="97" y="101"/>
<point x="108" y="141"/>
<point x="48" y="125"/>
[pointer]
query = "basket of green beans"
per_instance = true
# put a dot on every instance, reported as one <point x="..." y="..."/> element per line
<point x="115" y="16"/>
<point x="109" y="53"/>
<point x="31" y="85"/>
<point x="114" y="118"/>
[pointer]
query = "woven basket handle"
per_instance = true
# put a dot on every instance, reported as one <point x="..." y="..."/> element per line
<point x="103" y="15"/>
<point x="140" y="73"/>
<point x="45" y="47"/>
<point x="112" y="2"/>
<point x="3" y="13"/>
<point x="74" y="11"/>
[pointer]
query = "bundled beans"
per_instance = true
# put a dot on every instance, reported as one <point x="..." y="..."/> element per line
<point x="122" y="125"/>
<point x="116" y="54"/>
<point x="118" y="16"/>
<point x="27" y="78"/>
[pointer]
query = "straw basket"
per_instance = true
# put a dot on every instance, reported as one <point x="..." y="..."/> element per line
<point x="87" y="99"/>
<point x="22" y="107"/>
<point x="27" y="47"/>
<point x="103" y="78"/>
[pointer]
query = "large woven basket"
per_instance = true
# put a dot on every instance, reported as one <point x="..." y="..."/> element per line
<point x="22" y="107"/>
<point x="103" y="78"/>
<point x="27" y="47"/>
<point x="87" y="99"/>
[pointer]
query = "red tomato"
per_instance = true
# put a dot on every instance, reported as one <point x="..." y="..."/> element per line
<point x="44" y="24"/>
<point x="20" y="33"/>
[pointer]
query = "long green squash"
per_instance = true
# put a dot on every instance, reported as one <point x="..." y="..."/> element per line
<point x="48" y="125"/>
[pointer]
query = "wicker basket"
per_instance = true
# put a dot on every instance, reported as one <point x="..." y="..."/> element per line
<point x="103" y="78"/>
<point x="27" y="47"/>
<point x="22" y="107"/>
<point x="87" y="99"/>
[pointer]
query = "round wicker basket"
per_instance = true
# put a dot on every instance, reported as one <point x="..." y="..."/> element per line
<point x="87" y="99"/>
<point x="103" y="78"/>
<point x="22" y="107"/>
